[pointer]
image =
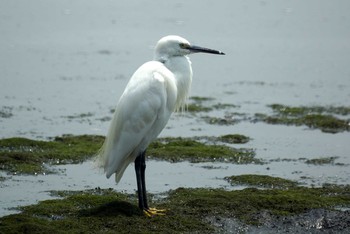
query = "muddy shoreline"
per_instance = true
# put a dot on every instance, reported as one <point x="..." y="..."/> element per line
<point x="298" y="210"/>
<point x="250" y="203"/>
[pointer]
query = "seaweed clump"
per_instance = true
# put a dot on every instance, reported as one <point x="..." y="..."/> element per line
<point x="182" y="149"/>
<point x="26" y="156"/>
<point x="263" y="181"/>
<point x="317" y="117"/>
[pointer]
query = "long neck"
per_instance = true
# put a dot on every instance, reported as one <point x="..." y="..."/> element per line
<point x="181" y="67"/>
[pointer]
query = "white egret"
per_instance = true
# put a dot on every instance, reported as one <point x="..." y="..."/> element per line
<point x="155" y="90"/>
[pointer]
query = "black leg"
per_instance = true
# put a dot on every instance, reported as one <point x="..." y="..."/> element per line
<point x="140" y="167"/>
<point x="139" y="181"/>
<point x="143" y="180"/>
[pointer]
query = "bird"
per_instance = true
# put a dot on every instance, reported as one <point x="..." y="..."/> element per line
<point x="156" y="90"/>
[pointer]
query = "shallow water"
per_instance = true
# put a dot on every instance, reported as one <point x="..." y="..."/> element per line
<point x="63" y="60"/>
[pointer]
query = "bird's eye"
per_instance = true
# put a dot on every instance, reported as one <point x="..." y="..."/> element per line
<point x="183" y="45"/>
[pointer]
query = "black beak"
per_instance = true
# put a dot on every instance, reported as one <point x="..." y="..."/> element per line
<point x="198" y="49"/>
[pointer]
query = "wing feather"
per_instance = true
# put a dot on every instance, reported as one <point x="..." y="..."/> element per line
<point x="141" y="113"/>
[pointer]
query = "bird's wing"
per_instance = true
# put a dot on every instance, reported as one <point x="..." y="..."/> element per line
<point x="142" y="112"/>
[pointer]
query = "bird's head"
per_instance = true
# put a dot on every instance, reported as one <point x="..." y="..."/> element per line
<point x="170" y="46"/>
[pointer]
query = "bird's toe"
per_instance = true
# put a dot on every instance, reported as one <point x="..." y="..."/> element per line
<point x="150" y="212"/>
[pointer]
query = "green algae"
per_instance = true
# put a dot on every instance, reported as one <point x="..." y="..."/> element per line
<point x="26" y="156"/>
<point x="80" y="116"/>
<point x="322" y="160"/>
<point x="200" y="104"/>
<point x="107" y="211"/>
<point x="220" y="106"/>
<point x="21" y="155"/>
<point x="220" y="121"/>
<point x="182" y="149"/>
<point x="316" y="117"/>
<point x="212" y="140"/>
<point x="263" y="181"/>
<point x="303" y="110"/>
<point x="88" y="212"/>
<point x="245" y="204"/>
<point x="196" y="104"/>
<point x="195" y="107"/>
<point x="234" y="138"/>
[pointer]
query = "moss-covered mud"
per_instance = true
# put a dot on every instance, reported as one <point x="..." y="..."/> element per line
<point x="205" y="104"/>
<point x="188" y="210"/>
<point x="21" y="155"/>
<point x="323" y="161"/>
<point x="180" y="149"/>
<point x="324" y="118"/>
<point x="25" y="156"/>
<point x="330" y="119"/>
<point x="263" y="181"/>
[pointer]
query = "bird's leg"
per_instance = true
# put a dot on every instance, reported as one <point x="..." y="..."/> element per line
<point x="139" y="182"/>
<point x="140" y="168"/>
<point x="143" y="180"/>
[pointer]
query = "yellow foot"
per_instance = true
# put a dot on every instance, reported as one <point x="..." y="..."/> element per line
<point x="150" y="212"/>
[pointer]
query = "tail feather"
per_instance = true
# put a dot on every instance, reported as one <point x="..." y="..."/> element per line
<point x="108" y="159"/>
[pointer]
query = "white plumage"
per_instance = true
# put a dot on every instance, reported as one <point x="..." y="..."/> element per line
<point x="144" y="109"/>
<point x="141" y="114"/>
<point x="155" y="90"/>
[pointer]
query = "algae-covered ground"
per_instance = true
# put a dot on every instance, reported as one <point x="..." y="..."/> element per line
<point x="266" y="203"/>
<point x="330" y="119"/>
<point x="189" y="210"/>
<point x="25" y="156"/>
<point x="191" y="150"/>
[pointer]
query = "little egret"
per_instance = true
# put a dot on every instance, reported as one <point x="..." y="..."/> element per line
<point x="155" y="90"/>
